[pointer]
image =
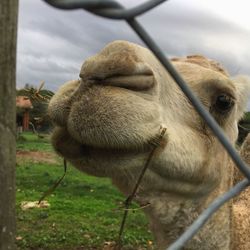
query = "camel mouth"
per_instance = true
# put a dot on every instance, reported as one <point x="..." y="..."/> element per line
<point x="138" y="82"/>
<point x="110" y="150"/>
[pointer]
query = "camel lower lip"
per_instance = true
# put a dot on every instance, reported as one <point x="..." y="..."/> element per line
<point x="134" y="82"/>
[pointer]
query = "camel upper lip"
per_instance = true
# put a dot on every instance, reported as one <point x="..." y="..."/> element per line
<point x="137" y="82"/>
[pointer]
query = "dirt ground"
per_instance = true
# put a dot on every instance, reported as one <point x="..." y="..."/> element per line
<point x="36" y="156"/>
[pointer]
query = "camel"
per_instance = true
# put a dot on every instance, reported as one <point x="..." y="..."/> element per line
<point x="106" y="123"/>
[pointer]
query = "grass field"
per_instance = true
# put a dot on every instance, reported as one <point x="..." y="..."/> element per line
<point x="83" y="210"/>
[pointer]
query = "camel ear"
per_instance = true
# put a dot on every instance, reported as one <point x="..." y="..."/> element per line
<point x="242" y="84"/>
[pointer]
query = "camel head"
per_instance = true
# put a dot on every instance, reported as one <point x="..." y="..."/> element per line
<point x="107" y="121"/>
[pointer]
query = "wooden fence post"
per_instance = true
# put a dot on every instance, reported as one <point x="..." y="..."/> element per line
<point x="8" y="34"/>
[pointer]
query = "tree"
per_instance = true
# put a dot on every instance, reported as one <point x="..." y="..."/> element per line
<point x="40" y="99"/>
<point x="8" y="33"/>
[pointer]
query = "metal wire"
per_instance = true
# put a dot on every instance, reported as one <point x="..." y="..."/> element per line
<point x="112" y="9"/>
<point x="106" y="8"/>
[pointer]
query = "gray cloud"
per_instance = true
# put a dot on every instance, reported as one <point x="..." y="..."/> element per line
<point x="52" y="44"/>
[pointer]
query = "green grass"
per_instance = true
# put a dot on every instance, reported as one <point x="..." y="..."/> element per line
<point x="31" y="142"/>
<point x="83" y="210"/>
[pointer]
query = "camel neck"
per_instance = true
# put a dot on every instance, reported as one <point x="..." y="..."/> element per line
<point x="170" y="216"/>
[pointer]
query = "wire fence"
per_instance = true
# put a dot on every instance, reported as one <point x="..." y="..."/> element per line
<point x="114" y="10"/>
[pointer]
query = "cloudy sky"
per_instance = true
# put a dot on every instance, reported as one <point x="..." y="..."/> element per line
<point x="52" y="43"/>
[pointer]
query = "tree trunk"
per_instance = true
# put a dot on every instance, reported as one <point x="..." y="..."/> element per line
<point x="8" y="33"/>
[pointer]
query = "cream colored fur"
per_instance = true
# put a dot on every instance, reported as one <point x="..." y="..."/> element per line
<point x="106" y="122"/>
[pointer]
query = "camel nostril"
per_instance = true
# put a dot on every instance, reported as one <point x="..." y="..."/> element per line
<point x="133" y="82"/>
<point x="142" y="69"/>
<point x="138" y="76"/>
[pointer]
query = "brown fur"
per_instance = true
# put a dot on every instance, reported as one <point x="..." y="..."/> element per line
<point x="241" y="207"/>
<point x="107" y="120"/>
<point x="202" y="61"/>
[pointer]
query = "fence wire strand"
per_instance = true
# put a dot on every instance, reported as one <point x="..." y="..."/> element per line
<point x="114" y="10"/>
<point x="106" y="8"/>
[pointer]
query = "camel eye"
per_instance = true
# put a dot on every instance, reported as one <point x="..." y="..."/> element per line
<point x="224" y="103"/>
